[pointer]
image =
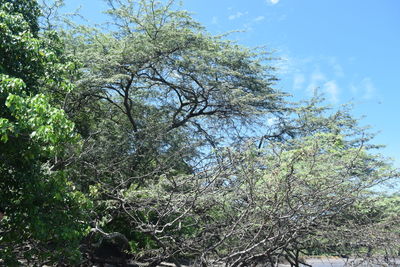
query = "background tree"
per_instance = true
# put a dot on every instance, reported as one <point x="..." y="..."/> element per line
<point x="292" y="195"/>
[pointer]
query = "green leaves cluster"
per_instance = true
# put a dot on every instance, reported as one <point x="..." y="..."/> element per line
<point x="43" y="210"/>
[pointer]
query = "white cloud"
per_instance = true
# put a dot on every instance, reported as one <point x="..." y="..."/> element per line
<point x="248" y="27"/>
<point x="317" y="77"/>
<point x="369" y="88"/>
<point x="298" y="81"/>
<point x="364" y="89"/>
<point x="328" y="87"/>
<point x="332" y="89"/>
<point x="354" y="89"/>
<point x="285" y="64"/>
<point x="214" y="20"/>
<point x="337" y="68"/>
<point x="237" y="15"/>
<point x="273" y="1"/>
<point x="259" y="18"/>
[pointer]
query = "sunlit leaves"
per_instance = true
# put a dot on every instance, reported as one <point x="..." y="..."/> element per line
<point x="43" y="208"/>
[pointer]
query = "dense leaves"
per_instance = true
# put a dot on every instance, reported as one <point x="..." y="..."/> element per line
<point x="43" y="211"/>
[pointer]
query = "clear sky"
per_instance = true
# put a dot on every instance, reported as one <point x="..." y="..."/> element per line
<point x="349" y="49"/>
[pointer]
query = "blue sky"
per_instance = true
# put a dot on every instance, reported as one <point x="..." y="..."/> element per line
<point x="348" y="49"/>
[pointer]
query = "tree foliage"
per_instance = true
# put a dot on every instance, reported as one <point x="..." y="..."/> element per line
<point x="43" y="211"/>
<point x="174" y="145"/>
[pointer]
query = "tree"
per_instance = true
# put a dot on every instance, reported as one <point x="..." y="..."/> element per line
<point x="167" y="93"/>
<point x="43" y="212"/>
<point x="182" y="161"/>
<point x="310" y="189"/>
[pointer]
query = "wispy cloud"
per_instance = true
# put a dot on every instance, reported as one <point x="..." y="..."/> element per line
<point x="259" y="18"/>
<point x="248" y="27"/>
<point x="354" y="89"/>
<point x="273" y="1"/>
<point x="237" y="15"/>
<point x="214" y="20"/>
<point x="326" y="75"/>
<point x="316" y="78"/>
<point x="283" y="66"/>
<point x="329" y="87"/>
<point x="337" y="68"/>
<point x="332" y="90"/>
<point x="364" y="89"/>
<point x="368" y="88"/>
<point x="298" y="81"/>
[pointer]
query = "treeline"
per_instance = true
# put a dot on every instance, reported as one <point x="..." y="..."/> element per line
<point x="153" y="136"/>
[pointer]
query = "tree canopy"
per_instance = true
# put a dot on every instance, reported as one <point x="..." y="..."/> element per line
<point x="168" y="143"/>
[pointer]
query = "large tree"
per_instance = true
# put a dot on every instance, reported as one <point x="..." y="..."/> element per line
<point x="168" y="94"/>
<point x="179" y="155"/>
